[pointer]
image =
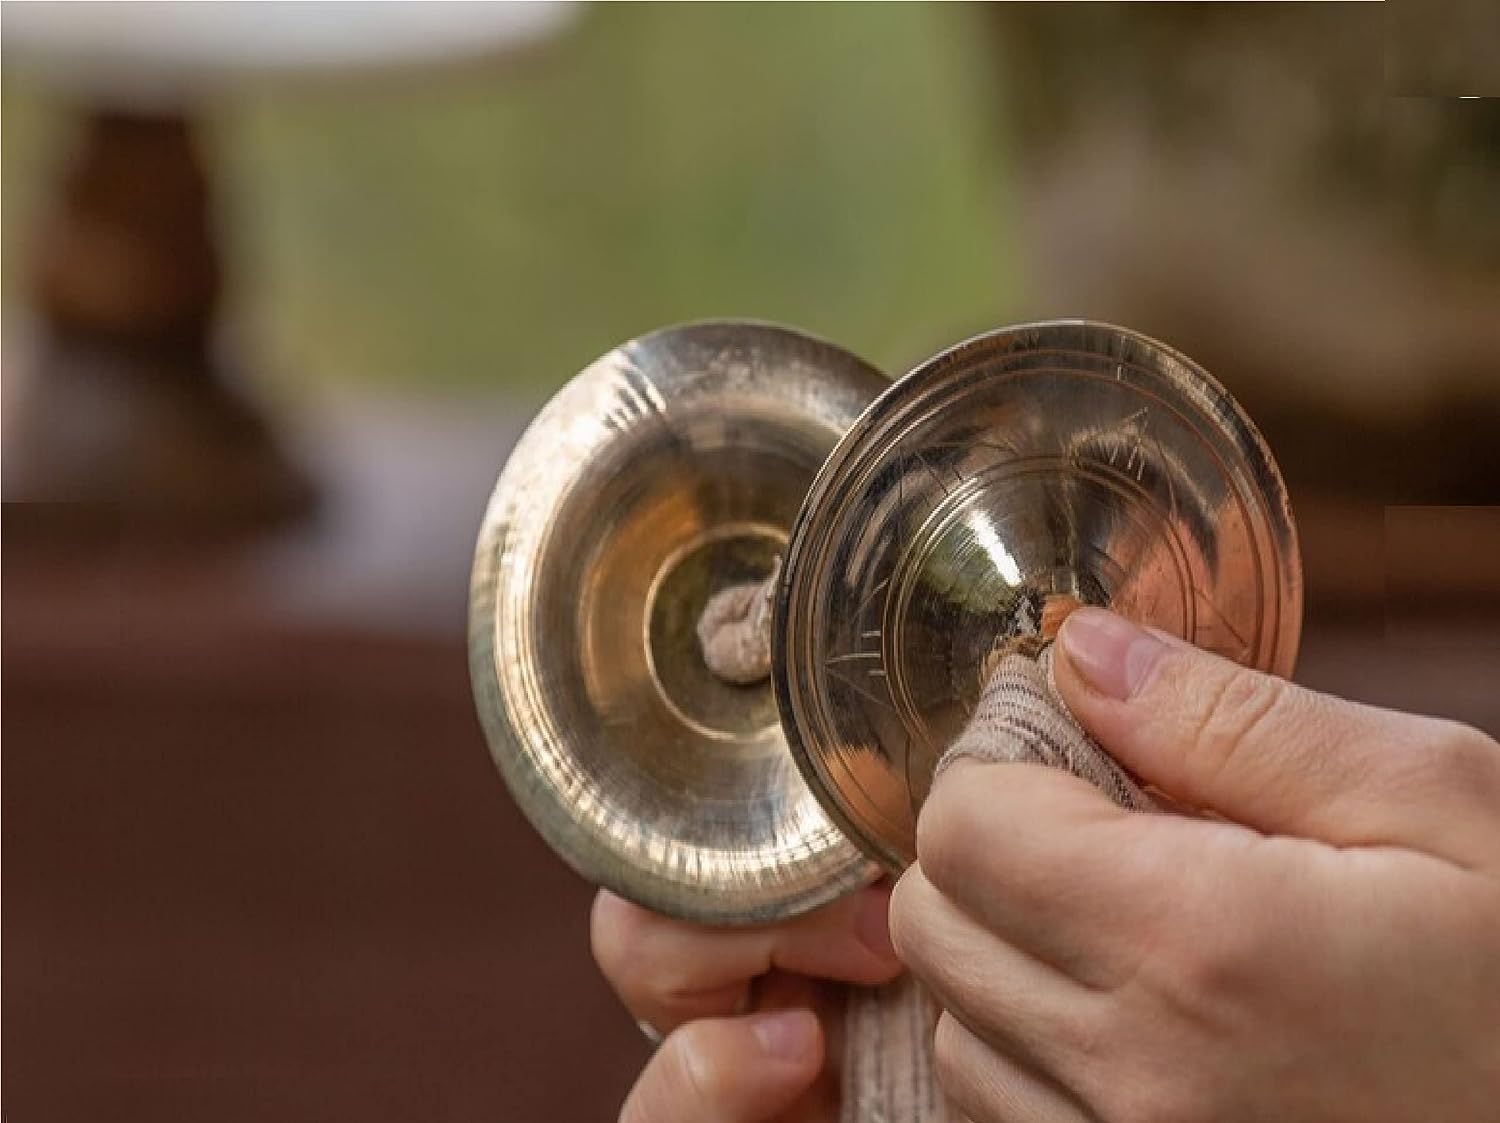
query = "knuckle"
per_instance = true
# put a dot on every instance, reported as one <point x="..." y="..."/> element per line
<point x="1210" y="964"/>
<point x="616" y="934"/>
<point x="957" y="825"/>
<point x="946" y="819"/>
<point x="905" y="909"/>
<point x="1464" y="756"/>
<point x="629" y="947"/>
<point x="1232" y="710"/>
<point x="1430" y="758"/>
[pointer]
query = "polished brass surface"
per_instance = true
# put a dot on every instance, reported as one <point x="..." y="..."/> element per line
<point x="669" y="469"/>
<point x="985" y="492"/>
<point x="966" y="511"/>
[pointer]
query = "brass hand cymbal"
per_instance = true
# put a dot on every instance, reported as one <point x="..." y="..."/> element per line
<point x="670" y="468"/>
<point x="1030" y="468"/>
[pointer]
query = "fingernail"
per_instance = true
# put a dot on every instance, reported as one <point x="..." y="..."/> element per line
<point x="787" y="1035"/>
<point x="1111" y="654"/>
<point x="873" y="923"/>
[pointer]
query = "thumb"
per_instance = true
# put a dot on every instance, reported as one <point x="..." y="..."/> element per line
<point x="1282" y="759"/>
<point x="729" y="1070"/>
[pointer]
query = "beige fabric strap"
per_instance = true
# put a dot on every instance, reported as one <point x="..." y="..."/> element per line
<point x="888" y="1075"/>
<point x="1020" y="719"/>
<point x="734" y="630"/>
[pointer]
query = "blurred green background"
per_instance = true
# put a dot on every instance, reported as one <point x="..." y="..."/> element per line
<point x="497" y="225"/>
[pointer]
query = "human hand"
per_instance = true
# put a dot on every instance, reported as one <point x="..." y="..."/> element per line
<point x="751" y="1015"/>
<point x="1330" y="952"/>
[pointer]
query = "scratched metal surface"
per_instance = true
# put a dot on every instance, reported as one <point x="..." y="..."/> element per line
<point x="1019" y="472"/>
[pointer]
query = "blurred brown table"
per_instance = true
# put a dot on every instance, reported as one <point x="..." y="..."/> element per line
<point x="262" y="870"/>
<point x="259" y="870"/>
<point x="257" y="862"/>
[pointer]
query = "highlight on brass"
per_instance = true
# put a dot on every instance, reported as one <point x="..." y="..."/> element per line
<point x="1030" y="468"/>
<point x="924" y="526"/>
<point x="670" y="469"/>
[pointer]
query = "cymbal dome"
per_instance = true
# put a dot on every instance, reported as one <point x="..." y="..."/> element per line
<point x="1030" y="468"/>
<point x="669" y="469"/>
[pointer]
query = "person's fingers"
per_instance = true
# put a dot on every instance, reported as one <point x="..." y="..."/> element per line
<point x="1051" y="866"/>
<point x="669" y="971"/>
<point x="781" y="990"/>
<point x="1274" y="756"/>
<point x="729" y="1070"/>
<point x="989" y="1087"/>
<point x="1031" y="1010"/>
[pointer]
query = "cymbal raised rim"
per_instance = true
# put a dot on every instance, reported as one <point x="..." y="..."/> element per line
<point x="1065" y="459"/>
<point x="672" y="465"/>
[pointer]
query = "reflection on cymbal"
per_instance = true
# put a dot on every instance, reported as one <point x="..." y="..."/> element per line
<point x="925" y="525"/>
<point x="1036" y="465"/>
<point x="669" y="469"/>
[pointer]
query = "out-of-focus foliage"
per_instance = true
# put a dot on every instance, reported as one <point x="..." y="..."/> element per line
<point x="1304" y="101"/>
<point x="499" y="225"/>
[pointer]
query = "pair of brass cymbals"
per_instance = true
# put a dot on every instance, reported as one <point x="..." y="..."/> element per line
<point x="921" y="523"/>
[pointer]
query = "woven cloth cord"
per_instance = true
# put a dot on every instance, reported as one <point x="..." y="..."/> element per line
<point x="1020" y="719"/>
<point x="734" y="630"/>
